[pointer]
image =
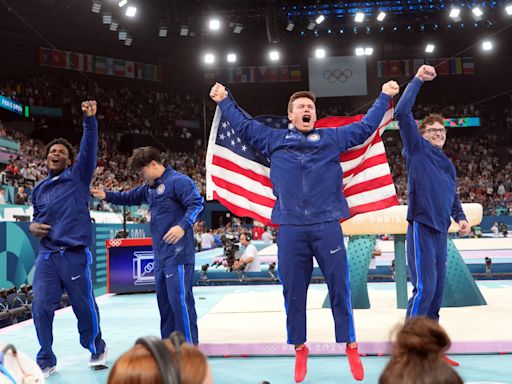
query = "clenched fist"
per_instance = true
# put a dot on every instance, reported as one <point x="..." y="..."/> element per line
<point x="218" y="93"/>
<point x="391" y="88"/>
<point x="89" y="107"/>
<point x="426" y="73"/>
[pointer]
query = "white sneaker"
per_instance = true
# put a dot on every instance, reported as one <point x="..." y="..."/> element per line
<point x="48" y="371"/>
<point x="97" y="361"/>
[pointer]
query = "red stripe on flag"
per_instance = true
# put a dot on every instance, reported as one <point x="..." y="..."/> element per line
<point x="229" y="165"/>
<point x="241" y="211"/>
<point x="366" y="186"/>
<point x="374" y="206"/>
<point x="368" y="163"/>
<point x="337" y="121"/>
<point x="237" y="190"/>
<point x="353" y="154"/>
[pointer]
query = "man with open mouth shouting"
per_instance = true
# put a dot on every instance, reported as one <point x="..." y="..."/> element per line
<point x="62" y="222"/>
<point x="307" y="181"/>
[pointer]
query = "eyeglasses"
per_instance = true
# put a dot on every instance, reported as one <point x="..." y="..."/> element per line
<point x="432" y="131"/>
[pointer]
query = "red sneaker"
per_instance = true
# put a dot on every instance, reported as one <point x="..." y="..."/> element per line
<point x="356" y="367"/>
<point x="449" y="361"/>
<point x="301" y="363"/>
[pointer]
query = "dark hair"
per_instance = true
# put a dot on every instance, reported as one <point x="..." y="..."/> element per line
<point x="298" y="95"/>
<point x="64" y="142"/>
<point x="143" y="156"/>
<point x="431" y="119"/>
<point x="417" y="355"/>
<point x="248" y="236"/>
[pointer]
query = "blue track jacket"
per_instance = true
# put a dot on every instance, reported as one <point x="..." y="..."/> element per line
<point x="173" y="200"/>
<point x="62" y="201"/>
<point x="432" y="180"/>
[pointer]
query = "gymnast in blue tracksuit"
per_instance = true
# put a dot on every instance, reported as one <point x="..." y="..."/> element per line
<point x="175" y="204"/>
<point x="61" y="220"/>
<point x="307" y="181"/>
<point x="433" y="199"/>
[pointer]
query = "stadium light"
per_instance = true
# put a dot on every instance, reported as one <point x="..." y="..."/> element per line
<point x="368" y="51"/>
<point x="455" y="14"/>
<point x="487" y="45"/>
<point x="131" y="11"/>
<point x="381" y="16"/>
<point x="214" y="24"/>
<point x="209" y="58"/>
<point x="114" y="25"/>
<point x="359" y="17"/>
<point x="162" y="31"/>
<point x="508" y="9"/>
<point x="273" y="55"/>
<point x="184" y="30"/>
<point x="477" y="13"/>
<point x="107" y="18"/>
<point x="122" y="3"/>
<point x="359" y="51"/>
<point x="290" y="25"/>
<point x="320" y="19"/>
<point x="429" y="48"/>
<point x="231" y="57"/>
<point x="128" y="41"/>
<point x="319" y="53"/>
<point x="96" y="6"/>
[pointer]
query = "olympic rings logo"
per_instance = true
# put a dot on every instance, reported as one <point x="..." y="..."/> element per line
<point x="337" y="75"/>
<point x="116" y="242"/>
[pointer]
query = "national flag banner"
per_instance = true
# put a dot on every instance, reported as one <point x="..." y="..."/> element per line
<point x="456" y="66"/>
<point x="110" y="66"/>
<point x="393" y="68"/>
<point x="119" y="68"/>
<point x="416" y="64"/>
<point x="468" y="67"/>
<point x="139" y="71"/>
<point x="443" y="67"/>
<point x="100" y="65"/>
<point x="148" y="71"/>
<point x="284" y="74"/>
<point x="238" y="176"/>
<point x="295" y="73"/>
<point x="88" y="63"/>
<point x="129" y="69"/>
<point x="337" y="76"/>
<point x="158" y="73"/>
<point x="58" y="59"/>
<point x="45" y="56"/>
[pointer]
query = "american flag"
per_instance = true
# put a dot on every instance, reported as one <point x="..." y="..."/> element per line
<point x="238" y="176"/>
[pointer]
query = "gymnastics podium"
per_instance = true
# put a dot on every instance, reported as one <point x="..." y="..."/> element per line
<point x="460" y="287"/>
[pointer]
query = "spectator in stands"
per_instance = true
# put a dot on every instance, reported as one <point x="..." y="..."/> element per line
<point x="417" y="355"/>
<point x="151" y="359"/>
<point x="2" y="196"/>
<point x="207" y="240"/>
<point x="494" y="229"/>
<point x="21" y="197"/>
<point x="267" y="237"/>
<point x="12" y="172"/>
<point x="250" y="261"/>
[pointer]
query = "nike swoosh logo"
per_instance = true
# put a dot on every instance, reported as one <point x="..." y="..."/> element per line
<point x="169" y="275"/>
<point x="75" y="277"/>
<point x="335" y="250"/>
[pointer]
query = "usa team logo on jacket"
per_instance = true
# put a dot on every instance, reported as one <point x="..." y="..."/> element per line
<point x="314" y="137"/>
<point x="160" y="189"/>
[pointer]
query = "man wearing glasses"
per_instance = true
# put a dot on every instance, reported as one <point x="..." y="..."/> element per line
<point x="432" y="200"/>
